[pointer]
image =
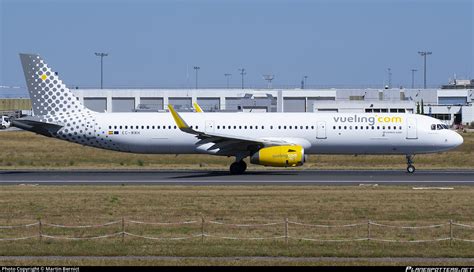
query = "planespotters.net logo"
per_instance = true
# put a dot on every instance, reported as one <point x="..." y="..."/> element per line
<point x="439" y="269"/>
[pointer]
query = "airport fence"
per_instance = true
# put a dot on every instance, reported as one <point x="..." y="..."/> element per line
<point x="284" y="230"/>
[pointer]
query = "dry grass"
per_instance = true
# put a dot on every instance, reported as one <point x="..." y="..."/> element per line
<point x="27" y="150"/>
<point x="254" y="204"/>
<point x="235" y="262"/>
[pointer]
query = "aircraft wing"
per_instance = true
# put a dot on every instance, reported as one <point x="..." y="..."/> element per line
<point x="225" y="144"/>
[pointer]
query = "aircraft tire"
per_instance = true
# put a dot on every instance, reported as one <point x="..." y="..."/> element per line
<point x="238" y="168"/>
<point x="411" y="169"/>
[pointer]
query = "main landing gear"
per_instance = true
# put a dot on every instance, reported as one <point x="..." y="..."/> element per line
<point x="238" y="167"/>
<point x="410" y="168"/>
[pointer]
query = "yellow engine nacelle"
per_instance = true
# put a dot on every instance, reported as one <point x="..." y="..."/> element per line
<point x="279" y="156"/>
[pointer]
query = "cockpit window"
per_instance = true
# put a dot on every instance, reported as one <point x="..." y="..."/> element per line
<point x="439" y="126"/>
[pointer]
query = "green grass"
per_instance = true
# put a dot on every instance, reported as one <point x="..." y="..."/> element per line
<point x="25" y="150"/>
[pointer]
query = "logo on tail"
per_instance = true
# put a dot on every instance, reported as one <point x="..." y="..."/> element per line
<point x="49" y="95"/>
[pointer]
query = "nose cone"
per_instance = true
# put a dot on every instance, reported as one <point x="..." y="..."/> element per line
<point x="455" y="139"/>
<point x="458" y="140"/>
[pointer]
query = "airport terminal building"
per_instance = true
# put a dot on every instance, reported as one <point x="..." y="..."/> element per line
<point x="451" y="104"/>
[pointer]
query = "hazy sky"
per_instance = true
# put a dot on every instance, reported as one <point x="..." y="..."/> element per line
<point x="157" y="43"/>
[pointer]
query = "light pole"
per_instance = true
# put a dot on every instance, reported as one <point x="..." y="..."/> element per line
<point x="413" y="78"/>
<point x="101" y="55"/>
<point x="304" y="81"/>
<point x="242" y="73"/>
<point x="227" y="76"/>
<point x="269" y="79"/>
<point x="196" y="68"/>
<point x="389" y="71"/>
<point x="424" y="54"/>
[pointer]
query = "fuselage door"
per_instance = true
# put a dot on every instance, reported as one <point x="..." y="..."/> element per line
<point x="209" y="126"/>
<point x="321" y="130"/>
<point x="411" y="129"/>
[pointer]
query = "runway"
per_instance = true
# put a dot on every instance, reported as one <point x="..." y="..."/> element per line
<point x="296" y="177"/>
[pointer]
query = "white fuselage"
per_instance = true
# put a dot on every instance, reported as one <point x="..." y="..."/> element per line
<point x="318" y="133"/>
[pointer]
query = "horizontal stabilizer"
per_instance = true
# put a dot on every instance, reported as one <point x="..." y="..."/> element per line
<point x="46" y="129"/>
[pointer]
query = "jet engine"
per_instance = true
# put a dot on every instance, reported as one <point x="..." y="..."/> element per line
<point x="279" y="156"/>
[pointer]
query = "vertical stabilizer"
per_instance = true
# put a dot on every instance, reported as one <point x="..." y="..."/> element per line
<point x="48" y="94"/>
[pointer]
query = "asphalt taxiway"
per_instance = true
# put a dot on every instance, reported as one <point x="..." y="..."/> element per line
<point x="292" y="177"/>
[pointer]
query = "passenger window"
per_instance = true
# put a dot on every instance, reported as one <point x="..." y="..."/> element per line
<point x="279" y="127"/>
<point x="334" y="127"/>
<point x="169" y="127"/>
<point x="110" y="127"/>
<point x="175" y="127"/>
<point x="345" y="127"/>
<point x="235" y="127"/>
<point x="229" y="127"/>
<point x="240" y="127"/>
<point x="250" y="127"/>
<point x="271" y="127"/>
<point x="120" y="127"/>
<point x="263" y="127"/>
<point x="373" y="127"/>
<point x="383" y="127"/>
<point x="218" y="127"/>
<point x="378" y="127"/>
<point x="245" y="127"/>
<point x="400" y="127"/>
<point x="355" y="127"/>
<point x="290" y="127"/>
<point x="388" y="127"/>
<point x="307" y="127"/>
<point x="339" y="127"/>
<point x="147" y="127"/>
<point x="312" y="127"/>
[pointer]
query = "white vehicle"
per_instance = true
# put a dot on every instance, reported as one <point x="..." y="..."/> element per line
<point x="5" y="122"/>
<point x="270" y="139"/>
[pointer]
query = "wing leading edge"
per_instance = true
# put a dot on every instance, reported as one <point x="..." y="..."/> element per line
<point x="230" y="145"/>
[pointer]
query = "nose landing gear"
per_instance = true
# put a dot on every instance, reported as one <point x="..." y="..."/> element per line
<point x="410" y="168"/>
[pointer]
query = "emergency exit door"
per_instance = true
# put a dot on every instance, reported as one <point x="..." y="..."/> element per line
<point x="321" y="130"/>
<point x="411" y="129"/>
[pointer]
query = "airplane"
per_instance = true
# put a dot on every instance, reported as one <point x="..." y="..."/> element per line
<point x="271" y="139"/>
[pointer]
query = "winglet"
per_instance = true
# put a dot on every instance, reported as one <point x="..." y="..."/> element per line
<point x="197" y="107"/>
<point x="177" y="118"/>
